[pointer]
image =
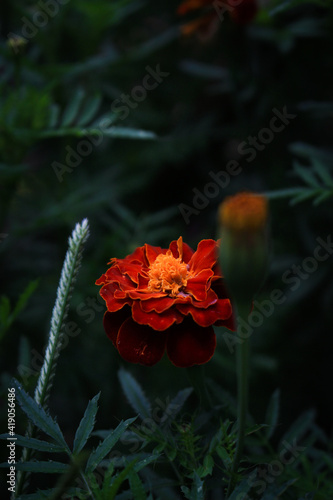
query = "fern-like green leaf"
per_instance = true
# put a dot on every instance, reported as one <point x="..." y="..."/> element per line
<point x="39" y="417"/>
<point x="106" y="446"/>
<point x="86" y="425"/>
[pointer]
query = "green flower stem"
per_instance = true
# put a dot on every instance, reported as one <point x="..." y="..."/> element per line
<point x="196" y="375"/>
<point x="67" y="279"/>
<point x="242" y="354"/>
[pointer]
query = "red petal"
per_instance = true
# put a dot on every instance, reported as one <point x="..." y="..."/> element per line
<point x="113" y="321"/>
<point x="210" y="300"/>
<point x="221" y="310"/>
<point x="153" y="252"/>
<point x="137" y="256"/>
<point x="189" y="344"/>
<point x="158" y="305"/>
<point x="186" y="250"/>
<point x="198" y="285"/>
<point x="130" y="269"/>
<point x="119" y="276"/>
<point x="205" y="256"/>
<point x="229" y="323"/>
<point x="158" y="321"/>
<point x="140" y="344"/>
<point x="107" y="292"/>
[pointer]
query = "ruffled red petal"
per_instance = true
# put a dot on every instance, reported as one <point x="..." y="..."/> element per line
<point x="198" y="285"/>
<point x="113" y="303"/>
<point x="115" y="274"/>
<point x="205" y="256"/>
<point x="187" y="251"/>
<point x="189" y="344"/>
<point x="158" y="321"/>
<point x="221" y="310"/>
<point x="153" y="252"/>
<point x="113" y="321"/>
<point x="158" y="305"/>
<point x="140" y="344"/>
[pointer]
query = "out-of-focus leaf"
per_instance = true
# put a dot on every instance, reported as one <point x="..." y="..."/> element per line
<point x="134" y="393"/>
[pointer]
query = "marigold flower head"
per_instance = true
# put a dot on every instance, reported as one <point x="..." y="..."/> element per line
<point x="166" y="300"/>
<point x="243" y="221"/>
<point x="244" y="212"/>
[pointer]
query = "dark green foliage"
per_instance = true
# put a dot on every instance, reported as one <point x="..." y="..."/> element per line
<point x="83" y="135"/>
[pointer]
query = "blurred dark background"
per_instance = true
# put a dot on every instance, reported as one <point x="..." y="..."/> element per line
<point x="214" y="92"/>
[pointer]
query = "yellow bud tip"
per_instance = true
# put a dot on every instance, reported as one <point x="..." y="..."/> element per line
<point x="244" y="212"/>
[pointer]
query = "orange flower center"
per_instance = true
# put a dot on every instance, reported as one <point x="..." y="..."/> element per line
<point x="167" y="274"/>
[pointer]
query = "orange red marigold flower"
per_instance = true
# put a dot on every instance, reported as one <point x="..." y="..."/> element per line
<point x="166" y="300"/>
<point x="241" y="12"/>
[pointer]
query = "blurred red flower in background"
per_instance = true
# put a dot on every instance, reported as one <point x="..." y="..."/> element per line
<point x="241" y="12"/>
<point x="166" y="299"/>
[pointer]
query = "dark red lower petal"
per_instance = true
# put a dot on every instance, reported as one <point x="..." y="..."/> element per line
<point x="112" y="321"/>
<point x="221" y="310"/>
<point x="189" y="344"/>
<point x="157" y="321"/>
<point x="140" y="343"/>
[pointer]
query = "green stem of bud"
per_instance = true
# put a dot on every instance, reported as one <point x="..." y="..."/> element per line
<point x="242" y="354"/>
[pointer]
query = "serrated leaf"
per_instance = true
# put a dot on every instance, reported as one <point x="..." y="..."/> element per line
<point x="134" y="393"/>
<point x="47" y="494"/>
<point x="106" y="446"/>
<point x="86" y="425"/>
<point x="308" y="151"/>
<point x="117" y="482"/>
<point x="299" y="427"/>
<point x="275" y="491"/>
<point x="89" y="110"/>
<point x="178" y="402"/>
<point x="224" y="456"/>
<point x="136" y="486"/>
<point x="54" y="116"/>
<point x="305" y="195"/>
<point x="72" y="109"/>
<point x="272" y="413"/>
<point x="322" y="172"/>
<point x="306" y="175"/>
<point x="207" y="468"/>
<point x="146" y="461"/>
<point x="322" y="197"/>
<point x="241" y="489"/>
<point x="129" y="133"/>
<point x="49" y="467"/>
<point x="35" y="444"/>
<point x="38" y="416"/>
<point x="197" y="489"/>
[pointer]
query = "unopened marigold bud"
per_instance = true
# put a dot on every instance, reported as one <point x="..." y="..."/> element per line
<point x="244" y="243"/>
